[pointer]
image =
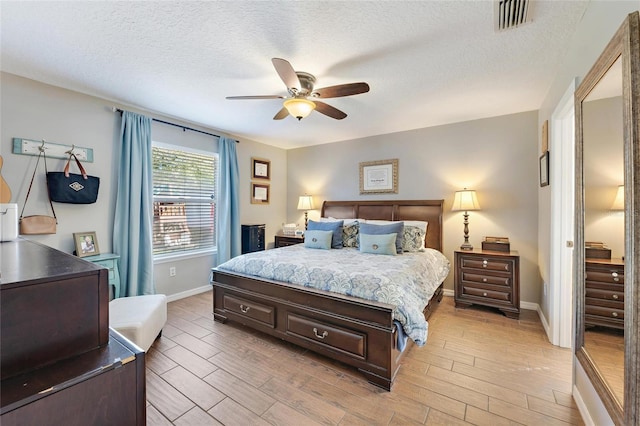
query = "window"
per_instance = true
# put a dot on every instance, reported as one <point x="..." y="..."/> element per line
<point x="184" y="195"/>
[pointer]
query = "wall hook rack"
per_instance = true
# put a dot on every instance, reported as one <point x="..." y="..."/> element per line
<point x="55" y="150"/>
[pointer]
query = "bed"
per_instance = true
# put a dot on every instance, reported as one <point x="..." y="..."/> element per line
<point x="358" y="332"/>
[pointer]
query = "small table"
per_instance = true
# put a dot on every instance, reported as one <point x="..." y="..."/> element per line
<point x="109" y="261"/>
<point x="287" y="240"/>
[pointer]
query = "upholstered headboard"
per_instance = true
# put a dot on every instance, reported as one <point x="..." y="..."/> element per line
<point x="426" y="210"/>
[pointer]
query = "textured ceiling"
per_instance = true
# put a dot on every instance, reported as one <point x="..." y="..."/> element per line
<point x="427" y="62"/>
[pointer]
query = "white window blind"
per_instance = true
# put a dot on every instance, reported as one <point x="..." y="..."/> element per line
<point x="184" y="195"/>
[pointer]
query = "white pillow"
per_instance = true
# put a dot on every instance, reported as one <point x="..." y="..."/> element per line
<point x="346" y="221"/>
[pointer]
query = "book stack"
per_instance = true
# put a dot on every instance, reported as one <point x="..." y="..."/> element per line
<point x="496" y="244"/>
<point x="597" y="250"/>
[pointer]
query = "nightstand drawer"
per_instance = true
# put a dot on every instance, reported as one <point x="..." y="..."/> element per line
<point x="616" y="296"/>
<point x="488" y="263"/>
<point x="614" y="276"/>
<point x="486" y="279"/>
<point x="484" y="293"/>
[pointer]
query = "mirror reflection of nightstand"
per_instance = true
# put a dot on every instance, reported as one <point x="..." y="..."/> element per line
<point x="287" y="240"/>
<point x="109" y="261"/>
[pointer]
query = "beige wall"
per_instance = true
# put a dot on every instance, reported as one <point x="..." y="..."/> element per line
<point x="497" y="157"/>
<point x="33" y="110"/>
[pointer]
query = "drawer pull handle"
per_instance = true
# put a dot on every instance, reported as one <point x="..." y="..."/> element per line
<point x="614" y="314"/>
<point x="484" y="280"/>
<point x="244" y="309"/>
<point x="614" y="274"/>
<point x="616" y="279"/>
<point x="320" y="336"/>
<point x="615" y="296"/>
<point x="484" y="263"/>
<point x="484" y="294"/>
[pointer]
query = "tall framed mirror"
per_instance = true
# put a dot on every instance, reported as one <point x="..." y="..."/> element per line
<point x="607" y="254"/>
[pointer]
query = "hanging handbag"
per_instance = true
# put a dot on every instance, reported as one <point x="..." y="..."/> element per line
<point x="71" y="188"/>
<point x="37" y="224"/>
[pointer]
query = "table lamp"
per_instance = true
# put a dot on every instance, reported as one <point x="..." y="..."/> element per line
<point x="465" y="200"/>
<point x="305" y="202"/>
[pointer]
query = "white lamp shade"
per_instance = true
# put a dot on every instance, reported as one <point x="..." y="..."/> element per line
<point x="305" y="202"/>
<point x="299" y="108"/>
<point x="465" y="200"/>
<point x="618" y="203"/>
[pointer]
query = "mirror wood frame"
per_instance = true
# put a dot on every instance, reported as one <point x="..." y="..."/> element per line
<point x="625" y="44"/>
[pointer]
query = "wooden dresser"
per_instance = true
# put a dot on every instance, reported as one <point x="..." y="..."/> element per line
<point x="604" y="292"/>
<point x="60" y="363"/>
<point x="489" y="278"/>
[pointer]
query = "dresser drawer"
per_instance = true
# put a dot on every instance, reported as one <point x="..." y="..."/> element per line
<point x="597" y="293"/>
<point x="487" y="294"/>
<point x="344" y="340"/>
<point x="488" y="263"/>
<point x="496" y="279"/>
<point x="602" y="311"/>
<point x="603" y="276"/>
<point x="264" y="314"/>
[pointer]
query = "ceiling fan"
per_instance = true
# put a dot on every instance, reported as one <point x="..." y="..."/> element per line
<point x="303" y="98"/>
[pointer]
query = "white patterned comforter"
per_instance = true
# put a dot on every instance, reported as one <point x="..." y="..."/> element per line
<point x="406" y="281"/>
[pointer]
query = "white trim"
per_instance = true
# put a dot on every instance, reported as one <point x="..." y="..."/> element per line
<point x="192" y="292"/>
<point x="582" y="408"/>
<point x="448" y="293"/>
<point x="562" y="170"/>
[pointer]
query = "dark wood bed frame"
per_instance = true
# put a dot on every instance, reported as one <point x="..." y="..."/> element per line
<point x="357" y="332"/>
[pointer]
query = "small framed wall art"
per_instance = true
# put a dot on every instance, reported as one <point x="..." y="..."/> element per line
<point x="260" y="168"/>
<point x="544" y="169"/>
<point x="259" y="193"/>
<point x="86" y="243"/>
<point x="379" y="177"/>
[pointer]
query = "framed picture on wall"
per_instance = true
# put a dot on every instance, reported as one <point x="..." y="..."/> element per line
<point x="379" y="177"/>
<point x="259" y="193"/>
<point x="86" y="243"/>
<point x="260" y="169"/>
<point x="544" y="169"/>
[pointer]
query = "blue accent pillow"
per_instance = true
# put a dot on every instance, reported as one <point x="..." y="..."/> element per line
<point x="396" y="227"/>
<point x="335" y="227"/>
<point x="378" y="244"/>
<point x="318" y="239"/>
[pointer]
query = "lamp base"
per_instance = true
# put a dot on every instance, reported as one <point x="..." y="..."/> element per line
<point x="466" y="246"/>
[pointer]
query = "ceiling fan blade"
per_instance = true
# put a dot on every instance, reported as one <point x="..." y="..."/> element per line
<point x="234" y="98"/>
<point x="329" y="111"/>
<point x="281" y="114"/>
<point x="342" y="90"/>
<point x="286" y="73"/>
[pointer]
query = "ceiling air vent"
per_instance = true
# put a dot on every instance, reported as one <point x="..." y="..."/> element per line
<point x="511" y="13"/>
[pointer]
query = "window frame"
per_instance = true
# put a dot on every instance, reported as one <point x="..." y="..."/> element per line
<point x="187" y="254"/>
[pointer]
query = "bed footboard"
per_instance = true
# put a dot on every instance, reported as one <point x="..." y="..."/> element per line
<point x="356" y="332"/>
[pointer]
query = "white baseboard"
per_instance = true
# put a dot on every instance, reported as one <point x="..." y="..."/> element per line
<point x="192" y="292"/>
<point x="582" y="408"/>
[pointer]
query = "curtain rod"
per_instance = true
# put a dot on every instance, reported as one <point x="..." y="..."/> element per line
<point x="173" y="124"/>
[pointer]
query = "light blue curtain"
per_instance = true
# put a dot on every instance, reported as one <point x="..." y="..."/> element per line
<point x="228" y="204"/>
<point x="132" y="230"/>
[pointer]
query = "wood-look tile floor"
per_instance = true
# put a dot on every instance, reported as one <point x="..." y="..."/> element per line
<point x="478" y="367"/>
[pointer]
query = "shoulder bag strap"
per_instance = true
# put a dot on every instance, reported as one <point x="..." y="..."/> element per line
<point x="31" y="184"/>
<point x="44" y="154"/>
<point x="82" y="171"/>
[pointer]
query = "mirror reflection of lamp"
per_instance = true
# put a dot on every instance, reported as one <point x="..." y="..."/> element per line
<point x="465" y="200"/>
<point x="618" y="203"/>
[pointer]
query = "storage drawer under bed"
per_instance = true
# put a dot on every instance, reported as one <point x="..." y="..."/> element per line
<point x="338" y="338"/>
<point x="255" y="311"/>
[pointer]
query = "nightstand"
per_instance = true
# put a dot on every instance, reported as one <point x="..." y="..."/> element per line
<point x="488" y="278"/>
<point x="287" y="240"/>
<point x="604" y="292"/>
<point x="109" y="261"/>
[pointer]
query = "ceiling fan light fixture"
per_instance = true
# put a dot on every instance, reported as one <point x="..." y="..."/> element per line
<point x="299" y="107"/>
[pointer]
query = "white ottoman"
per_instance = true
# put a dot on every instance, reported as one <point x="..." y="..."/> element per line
<point x="139" y="318"/>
